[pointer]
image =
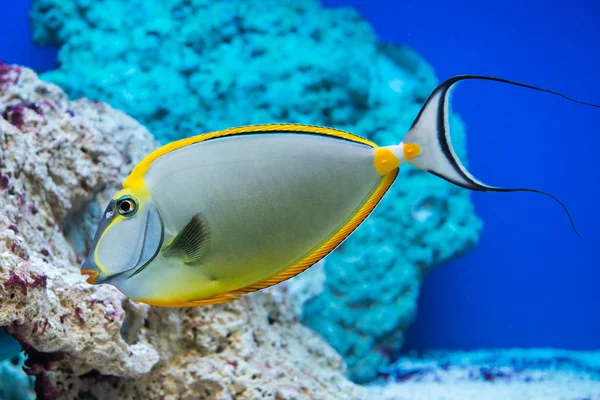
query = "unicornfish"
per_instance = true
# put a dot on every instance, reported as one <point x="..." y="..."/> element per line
<point x="206" y="219"/>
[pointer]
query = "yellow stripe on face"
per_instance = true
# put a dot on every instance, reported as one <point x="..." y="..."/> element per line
<point x="136" y="179"/>
<point x="141" y="195"/>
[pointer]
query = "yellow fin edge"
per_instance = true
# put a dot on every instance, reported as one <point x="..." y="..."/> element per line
<point x="222" y="298"/>
<point x="135" y="180"/>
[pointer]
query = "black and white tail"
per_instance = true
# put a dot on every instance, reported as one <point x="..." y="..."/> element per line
<point x="428" y="145"/>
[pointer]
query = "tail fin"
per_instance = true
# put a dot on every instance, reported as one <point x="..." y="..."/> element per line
<point x="430" y="147"/>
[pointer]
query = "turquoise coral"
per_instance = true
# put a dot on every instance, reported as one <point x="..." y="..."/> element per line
<point x="14" y="383"/>
<point x="188" y="66"/>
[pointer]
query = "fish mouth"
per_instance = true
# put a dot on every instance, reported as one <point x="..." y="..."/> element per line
<point x="92" y="275"/>
<point x="95" y="275"/>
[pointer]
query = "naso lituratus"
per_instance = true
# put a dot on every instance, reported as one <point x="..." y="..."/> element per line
<point x="206" y="219"/>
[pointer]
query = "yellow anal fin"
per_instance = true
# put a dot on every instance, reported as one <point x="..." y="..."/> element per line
<point x="222" y="298"/>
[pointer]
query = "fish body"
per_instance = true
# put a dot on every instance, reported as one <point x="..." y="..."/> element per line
<point x="258" y="224"/>
<point x="206" y="219"/>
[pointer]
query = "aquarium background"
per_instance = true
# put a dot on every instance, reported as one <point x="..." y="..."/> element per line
<point x="529" y="282"/>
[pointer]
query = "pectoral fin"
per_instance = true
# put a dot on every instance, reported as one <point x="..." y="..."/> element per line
<point x="191" y="242"/>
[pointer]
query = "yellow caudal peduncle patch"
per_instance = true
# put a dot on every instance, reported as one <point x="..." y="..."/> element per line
<point x="136" y="179"/>
<point x="385" y="161"/>
<point x="411" y="151"/>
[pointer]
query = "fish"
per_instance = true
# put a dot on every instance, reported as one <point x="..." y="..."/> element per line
<point x="210" y="218"/>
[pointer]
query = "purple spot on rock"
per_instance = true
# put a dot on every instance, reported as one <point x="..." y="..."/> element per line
<point x="234" y="364"/>
<point x="15" y="280"/>
<point x="3" y="181"/>
<point x="14" y="114"/>
<point x="6" y="71"/>
<point x="71" y="112"/>
<point x="79" y="315"/>
<point x="39" y="281"/>
<point x="113" y="316"/>
<point x="13" y="228"/>
<point x="46" y="324"/>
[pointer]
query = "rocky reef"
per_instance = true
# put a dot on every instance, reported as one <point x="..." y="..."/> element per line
<point x="184" y="67"/>
<point x="59" y="161"/>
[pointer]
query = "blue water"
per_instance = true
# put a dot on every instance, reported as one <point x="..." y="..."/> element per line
<point x="530" y="281"/>
<point x="16" y="46"/>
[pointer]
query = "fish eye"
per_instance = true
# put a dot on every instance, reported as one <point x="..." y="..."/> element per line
<point x="126" y="206"/>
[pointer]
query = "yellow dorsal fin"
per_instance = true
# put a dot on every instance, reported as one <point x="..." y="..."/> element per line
<point x="135" y="180"/>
